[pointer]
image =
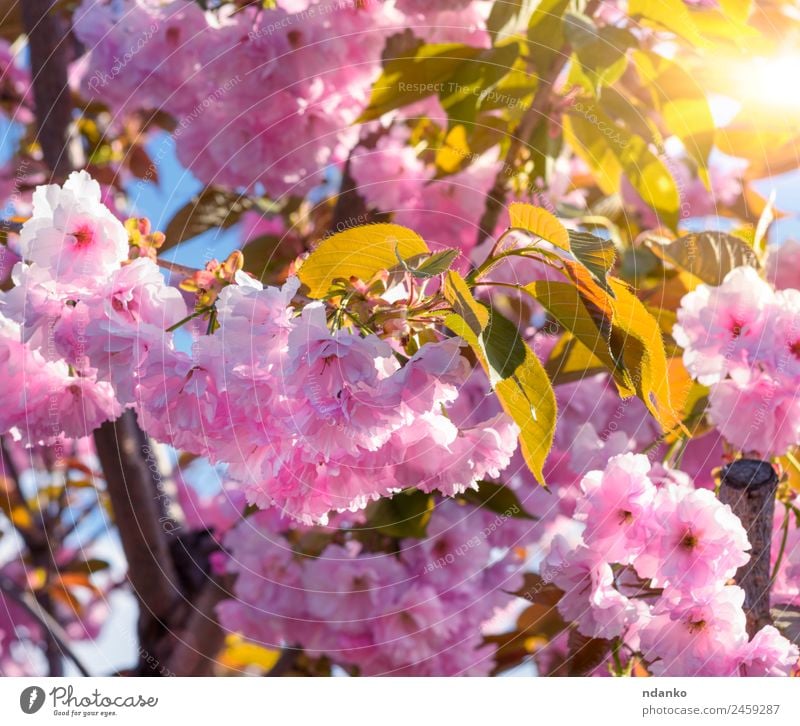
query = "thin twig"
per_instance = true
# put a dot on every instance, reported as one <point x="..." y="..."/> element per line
<point x="9" y="226"/>
<point x="28" y="603"/>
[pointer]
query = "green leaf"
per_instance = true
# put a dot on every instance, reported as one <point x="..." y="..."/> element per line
<point x="213" y="207"/>
<point x="497" y="498"/>
<point x="504" y="16"/>
<point x="88" y="566"/>
<point x="546" y="33"/>
<point x="514" y="371"/>
<point x="570" y="361"/>
<point x="358" y="252"/>
<point x="433" y="69"/>
<point x="600" y="54"/>
<point x="454" y="153"/>
<point x="425" y="266"/>
<point x="709" y="256"/>
<point x="405" y="515"/>
<point x="473" y="80"/>
<point x="595" y="253"/>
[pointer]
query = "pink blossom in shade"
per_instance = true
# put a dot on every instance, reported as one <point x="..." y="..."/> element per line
<point x="698" y="634"/>
<point x="218" y="511"/>
<point x="594" y="425"/>
<point x="445" y="212"/>
<point x="768" y="654"/>
<point x="723" y="329"/>
<point x="136" y="51"/>
<point x="417" y="626"/>
<point x="41" y="401"/>
<point x="696" y="542"/>
<point x="785" y="589"/>
<point x="399" y="613"/>
<point x="758" y="414"/>
<point x="701" y="457"/>
<point x="451" y="21"/>
<point x="71" y="233"/>
<point x="304" y="80"/>
<point x="617" y="507"/>
<point x="783" y="265"/>
<point x="590" y="598"/>
<point x="347" y="587"/>
<point x="391" y="175"/>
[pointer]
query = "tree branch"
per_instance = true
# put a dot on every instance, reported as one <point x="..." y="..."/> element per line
<point x="749" y="486"/>
<point x="201" y="638"/>
<point x="47" y="38"/>
<point x="139" y="517"/>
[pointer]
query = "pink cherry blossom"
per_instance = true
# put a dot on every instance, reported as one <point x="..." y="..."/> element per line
<point x="696" y="543"/>
<point x="698" y="634"/>
<point x="71" y="233"/>
<point x="758" y="414"/>
<point x="414" y="613"/>
<point x="768" y="654"/>
<point x="590" y="598"/>
<point x="723" y="328"/>
<point x="617" y="506"/>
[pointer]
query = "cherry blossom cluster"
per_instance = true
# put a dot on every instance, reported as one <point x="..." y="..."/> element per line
<point x="72" y="245"/>
<point x="266" y="96"/>
<point x="651" y="570"/>
<point x="742" y="339"/>
<point x="308" y="418"/>
<point x="419" y="611"/>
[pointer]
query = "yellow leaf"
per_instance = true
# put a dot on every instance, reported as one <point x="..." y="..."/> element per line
<point x="240" y="653"/>
<point x="670" y="14"/>
<point x="516" y="374"/>
<point x="636" y="337"/>
<point x="359" y="252"/>
<point x="563" y="301"/>
<point x="540" y="222"/>
<point x="454" y="152"/>
<point x="572" y="361"/>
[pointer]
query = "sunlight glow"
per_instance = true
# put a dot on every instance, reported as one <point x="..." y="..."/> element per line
<point x="771" y="81"/>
